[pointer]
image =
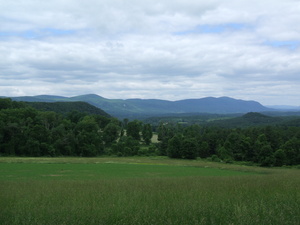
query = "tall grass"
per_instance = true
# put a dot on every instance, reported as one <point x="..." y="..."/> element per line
<point x="272" y="198"/>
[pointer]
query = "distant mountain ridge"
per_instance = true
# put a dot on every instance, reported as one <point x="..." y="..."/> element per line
<point x="285" y="107"/>
<point x="134" y="108"/>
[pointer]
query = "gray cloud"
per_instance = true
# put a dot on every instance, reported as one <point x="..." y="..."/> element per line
<point x="168" y="49"/>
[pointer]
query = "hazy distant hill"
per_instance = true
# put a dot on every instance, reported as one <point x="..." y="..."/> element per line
<point x="257" y="119"/>
<point x="40" y="98"/>
<point x="285" y="107"/>
<point x="249" y="119"/>
<point x="136" y="108"/>
<point x="237" y="120"/>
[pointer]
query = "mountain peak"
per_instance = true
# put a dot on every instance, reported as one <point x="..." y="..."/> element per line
<point x="88" y="96"/>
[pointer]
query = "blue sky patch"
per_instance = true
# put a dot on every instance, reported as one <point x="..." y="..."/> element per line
<point x="292" y="45"/>
<point x="202" y="29"/>
<point x="34" y="34"/>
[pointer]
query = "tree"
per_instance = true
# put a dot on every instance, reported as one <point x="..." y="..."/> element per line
<point x="63" y="139"/>
<point x="224" y="154"/>
<point x="87" y="124"/>
<point x="133" y="129"/>
<point x="89" y="144"/>
<point x="174" y="149"/>
<point x="192" y="131"/>
<point x="5" y="103"/>
<point x="292" y="151"/>
<point x="233" y="146"/>
<point x="203" y="149"/>
<point x="125" y="123"/>
<point x="246" y="149"/>
<point x="103" y="121"/>
<point x="165" y="133"/>
<point x="147" y="133"/>
<point x="126" y="146"/>
<point x="279" y="157"/>
<point x="265" y="156"/>
<point x="111" y="133"/>
<point x="49" y="119"/>
<point x="89" y="140"/>
<point x="189" y="148"/>
<point x="75" y="116"/>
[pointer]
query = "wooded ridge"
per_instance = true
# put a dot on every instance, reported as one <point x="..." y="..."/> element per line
<point x="142" y="108"/>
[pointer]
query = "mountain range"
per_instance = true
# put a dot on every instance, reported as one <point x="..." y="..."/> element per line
<point x="141" y="108"/>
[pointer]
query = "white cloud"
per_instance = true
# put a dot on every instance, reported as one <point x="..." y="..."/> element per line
<point x="146" y="49"/>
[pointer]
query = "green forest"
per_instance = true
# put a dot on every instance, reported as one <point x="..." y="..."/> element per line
<point x="28" y="131"/>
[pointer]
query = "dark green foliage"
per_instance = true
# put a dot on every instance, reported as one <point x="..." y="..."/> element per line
<point x="126" y="146"/>
<point x="265" y="146"/>
<point x="291" y="149"/>
<point x="111" y="132"/>
<point x="89" y="140"/>
<point x="147" y="133"/>
<point x="75" y="116"/>
<point x="224" y="153"/>
<point x="175" y="147"/>
<point x="67" y="107"/>
<point x="189" y="148"/>
<point x="7" y="103"/>
<point x="279" y="158"/>
<point x="180" y="146"/>
<point x="236" y="120"/>
<point x="203" y="149"/>
<point x="25" y="131"/>
<point x="133" y="129"/>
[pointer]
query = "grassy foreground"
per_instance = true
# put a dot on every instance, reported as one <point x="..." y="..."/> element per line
<point x="144" y="191"/>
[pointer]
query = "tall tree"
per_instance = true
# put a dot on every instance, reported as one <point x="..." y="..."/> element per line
<point x="111" y="133"/>
<point x="174" y="149"/>
<point x="147" y="133"/>
<point x="189" y="148"/>
<point x="133" y="129"/>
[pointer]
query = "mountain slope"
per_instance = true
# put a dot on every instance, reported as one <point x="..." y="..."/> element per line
<point x="135" y="108"/>
<point x="252" y="119"/>
<point x="220" y="105"/>
<point x="248" y="119"/>
<point x="66" y="107"/>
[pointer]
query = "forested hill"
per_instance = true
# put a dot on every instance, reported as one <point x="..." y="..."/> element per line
<point x="66" y="107"/>
<point x="255" y="119"/>
<point x="239" y="120"/>
<point x="142" y="108"/>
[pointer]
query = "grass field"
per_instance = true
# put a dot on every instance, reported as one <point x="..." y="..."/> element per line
<point x="144" y="190"/>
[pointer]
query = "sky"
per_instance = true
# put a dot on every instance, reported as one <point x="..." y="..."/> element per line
<point x="166" y="49"/>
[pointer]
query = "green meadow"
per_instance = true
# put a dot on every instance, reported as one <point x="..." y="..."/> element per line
<point x="145" y="190"/>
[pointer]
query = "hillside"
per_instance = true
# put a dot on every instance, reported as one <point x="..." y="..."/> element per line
<point x="247" y="120"/>
<point x="254" y="119"/>
<point x="142" y="108"/>
<point x="65" y="107"/>
<point x="237" y="120"/>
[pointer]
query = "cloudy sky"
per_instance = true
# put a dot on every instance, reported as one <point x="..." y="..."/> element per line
<point x="167" y="49"/>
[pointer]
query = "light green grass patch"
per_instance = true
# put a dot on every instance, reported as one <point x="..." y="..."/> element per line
<point x="141" y="190"/>
<point x="108" y="170"/>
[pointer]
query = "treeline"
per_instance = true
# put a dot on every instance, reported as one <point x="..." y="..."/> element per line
<point x="265" y="146"/>
<point x="25" y="131"/>
<point x="238" y="120"/>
